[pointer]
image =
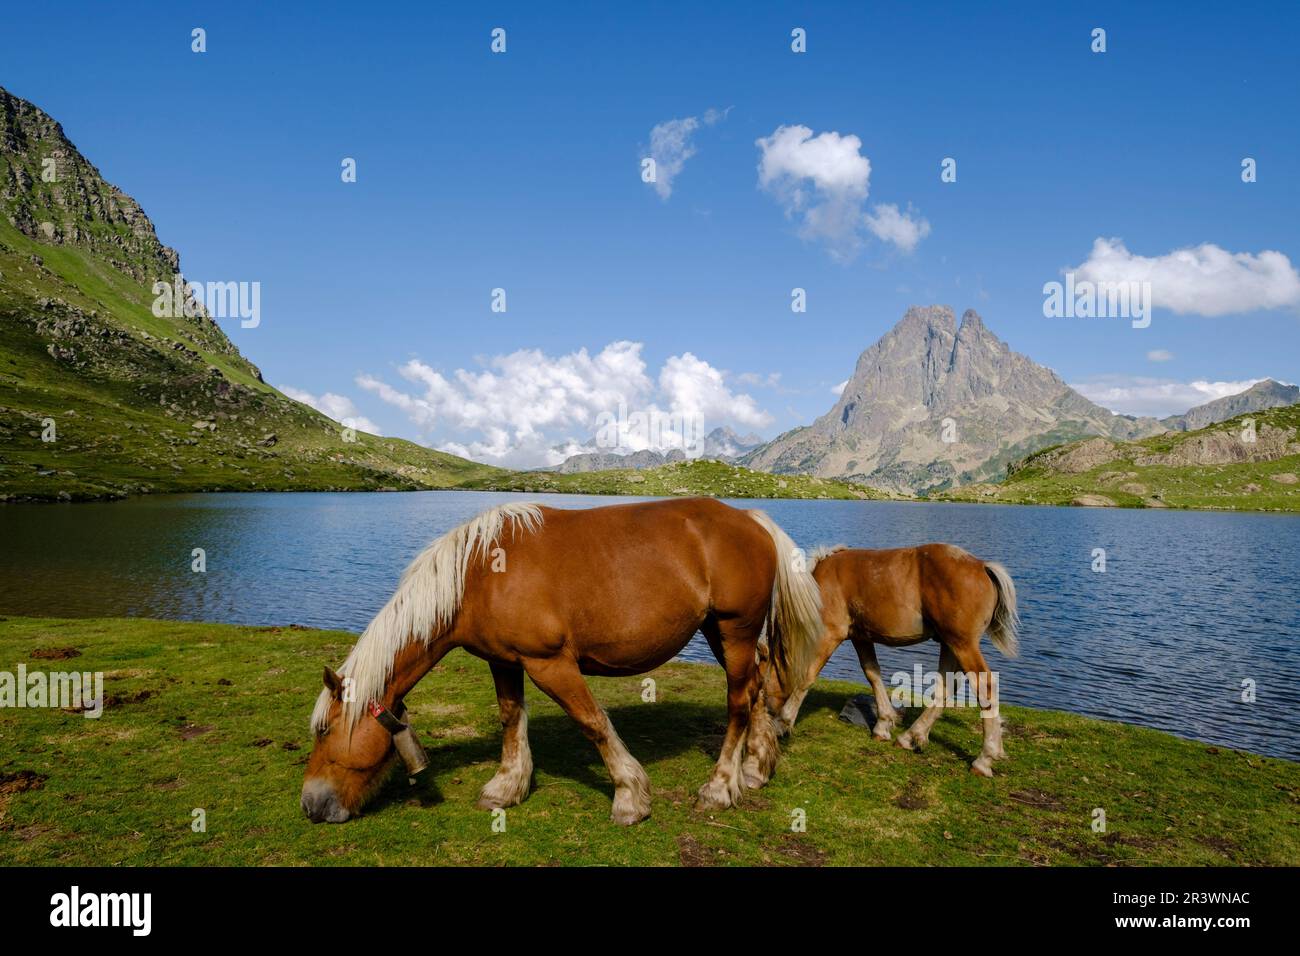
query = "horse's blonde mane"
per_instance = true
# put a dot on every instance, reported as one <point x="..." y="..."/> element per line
<point x="423" y="606"/>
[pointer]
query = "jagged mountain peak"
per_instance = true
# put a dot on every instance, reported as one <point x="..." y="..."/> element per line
<point x="936" y="402"/>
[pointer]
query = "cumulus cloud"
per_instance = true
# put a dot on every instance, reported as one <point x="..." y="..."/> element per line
<point x="823" y="181"/>
<point x="1157" y="397"/>
<point x="1201" y="280"/>
<point x="900" y="228"/>
<point x="672" y="144"/>
<point x="1160" y="355"/>
<point x="528" y="408"/>
<point x="338" y="407"/>
<point x="839" y="389"/>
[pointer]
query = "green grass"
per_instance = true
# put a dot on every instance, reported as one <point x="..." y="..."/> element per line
<point x="1237" y="486"/>
<point x="215" y="717"/>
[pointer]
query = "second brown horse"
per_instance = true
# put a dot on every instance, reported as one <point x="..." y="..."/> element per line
<point x="903" y="596"/>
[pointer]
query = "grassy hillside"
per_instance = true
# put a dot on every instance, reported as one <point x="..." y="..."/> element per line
<point x="136" y="402"/>
<point x="214" y="717"/>
<point x="1214" y="467"/>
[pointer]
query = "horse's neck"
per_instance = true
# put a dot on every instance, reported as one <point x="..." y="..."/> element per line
<point x="411" y="664"/>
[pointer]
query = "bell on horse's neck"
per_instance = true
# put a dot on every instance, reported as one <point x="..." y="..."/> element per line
<point x="411" y="752"/>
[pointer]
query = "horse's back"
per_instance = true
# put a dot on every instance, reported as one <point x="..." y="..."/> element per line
<point x="904" y="593"/>
<point x="603" y="581"/>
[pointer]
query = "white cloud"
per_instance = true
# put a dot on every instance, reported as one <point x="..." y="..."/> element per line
<point x="900" y="228"/>
<point x="1160" y="355"/>
<point x="519" y="407"/>
<point x="824" y="180"/>
<point x="338" y="407"/>
<point x="671" y="145"/>
<point x="839" y="389"/>
<point x="770" y="380"/>
<point x="1157" y="397"/>
<point x="1201" y="280"/>
<point x="694" y="387"/>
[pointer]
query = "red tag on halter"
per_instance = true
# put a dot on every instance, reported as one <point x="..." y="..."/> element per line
<point x="375" y="709"/>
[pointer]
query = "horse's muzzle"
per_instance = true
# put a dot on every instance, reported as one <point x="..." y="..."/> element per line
<point x="321" y="804"/>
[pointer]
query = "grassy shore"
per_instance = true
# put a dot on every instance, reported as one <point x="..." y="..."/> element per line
<point x="717" y="479"/>
<point x="214" y="717"/>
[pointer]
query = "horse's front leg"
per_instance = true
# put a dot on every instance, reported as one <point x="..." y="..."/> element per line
<point x="831" y="638"/>
<point x="511" y="783"/>
<point x="886" y="716"/>
<point x="562" y="681"/>
<point x="762" y="749"/>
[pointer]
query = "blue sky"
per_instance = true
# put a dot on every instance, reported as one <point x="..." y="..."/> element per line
<point x="522" y="171"/>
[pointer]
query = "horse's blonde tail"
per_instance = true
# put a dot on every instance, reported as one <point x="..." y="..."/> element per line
<point x="1006" y="619"/>
<point x="794" y="620"/>
<point x="825" y="551"/>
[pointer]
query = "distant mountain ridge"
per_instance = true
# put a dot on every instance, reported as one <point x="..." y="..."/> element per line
<point x="1257" y="398"/>
<point x="721" y="444"/>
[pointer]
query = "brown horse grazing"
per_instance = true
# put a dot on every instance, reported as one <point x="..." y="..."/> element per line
<point x="556" y="594"/>
<point x="900" y="597"/>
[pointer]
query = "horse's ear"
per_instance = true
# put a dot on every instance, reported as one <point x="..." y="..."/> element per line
<point x="333" y="683"/>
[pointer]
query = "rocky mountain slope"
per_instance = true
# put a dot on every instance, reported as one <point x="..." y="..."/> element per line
<point x="1251" y="462"/>
<point x="100" y="397"/>
<point x="935" y="404"/>
<point x="1261" y="395"/>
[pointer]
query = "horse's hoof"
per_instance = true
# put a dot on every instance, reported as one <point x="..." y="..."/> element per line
<point x="754" y="777"/>
<point x="628" y="816"/>
<point x="503" y="791"/>
<point x="910" y="742"/>
<point x="714" y="795"/>
<point x="883" y="731"/>
<point x="629" y="809"/>
<point x="982" y="766"/>
<point x="494" y="801"/>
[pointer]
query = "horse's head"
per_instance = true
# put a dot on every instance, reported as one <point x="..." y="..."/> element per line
<point x="349" y="763"/>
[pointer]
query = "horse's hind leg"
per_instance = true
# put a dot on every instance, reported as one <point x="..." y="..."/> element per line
<point x="916" y="736"/>
<point x="734" y="644"/>
<point x="561" y="680"/>
<point x="971" y="661"/>
<point x="886" y="716"/>
<point x="510" y="785"/>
